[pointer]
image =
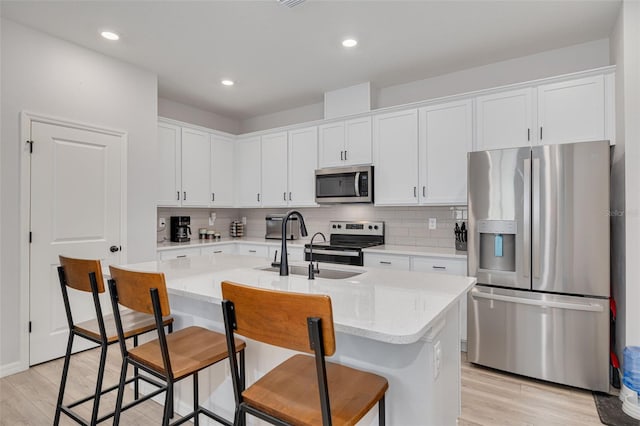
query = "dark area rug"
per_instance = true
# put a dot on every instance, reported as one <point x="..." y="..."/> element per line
<point x="610" y="411"/>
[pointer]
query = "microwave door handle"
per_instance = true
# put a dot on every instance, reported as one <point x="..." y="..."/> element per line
<point x="356" y="184"/>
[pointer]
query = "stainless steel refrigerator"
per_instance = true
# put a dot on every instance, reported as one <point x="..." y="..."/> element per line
<point x="539" y="246"/>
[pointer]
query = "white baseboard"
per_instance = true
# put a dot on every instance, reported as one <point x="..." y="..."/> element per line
<point x="11" y="368"/>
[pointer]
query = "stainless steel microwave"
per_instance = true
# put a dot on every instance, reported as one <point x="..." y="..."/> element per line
<point x="344" y="185"/>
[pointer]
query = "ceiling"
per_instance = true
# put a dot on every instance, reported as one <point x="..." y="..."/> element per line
<point x="284" y="57"/>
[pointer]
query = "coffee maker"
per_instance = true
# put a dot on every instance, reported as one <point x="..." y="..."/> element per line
<point x="180" y="229"/>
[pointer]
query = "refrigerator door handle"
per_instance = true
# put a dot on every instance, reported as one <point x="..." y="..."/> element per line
<point x="526" y="249"/>
<point x="589" y="307"/>
<point x="535" y="231"/>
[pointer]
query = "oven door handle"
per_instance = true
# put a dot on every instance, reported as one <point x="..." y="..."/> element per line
<point x="356" y="184"/>
<point x="335" y="252"/>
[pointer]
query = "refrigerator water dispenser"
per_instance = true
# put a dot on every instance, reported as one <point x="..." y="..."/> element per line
<point x="497" y="245"/>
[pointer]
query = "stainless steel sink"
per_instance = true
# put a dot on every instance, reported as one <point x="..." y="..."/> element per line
<point x="331" y="274"/>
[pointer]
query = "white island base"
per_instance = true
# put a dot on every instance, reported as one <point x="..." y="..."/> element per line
<point x="401" y="325"/>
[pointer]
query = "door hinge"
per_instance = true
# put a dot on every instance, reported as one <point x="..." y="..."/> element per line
<point x="30" y="147"/>
<point x="30" y="236"/>
<point x="29" y="326"/>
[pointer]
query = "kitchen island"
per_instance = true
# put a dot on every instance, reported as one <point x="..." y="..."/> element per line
<point x="402" y="325"/>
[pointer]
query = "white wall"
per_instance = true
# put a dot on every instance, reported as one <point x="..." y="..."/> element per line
<point x="49" y="76"/>
<point x="283" y="118"/>
<point x="181" y="112"/>
<point x="546" y="64"/>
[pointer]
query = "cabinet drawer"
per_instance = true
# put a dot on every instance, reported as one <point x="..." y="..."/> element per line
<point x="439" y="265"/>
<point x="253" y="250"/>
<point x="178" y="253"/>
<point x="294" y="254"/>
<point x="217" y="249"/>
<point x="388" y="261"/>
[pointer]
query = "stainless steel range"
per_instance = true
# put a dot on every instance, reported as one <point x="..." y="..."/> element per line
<point x="346" y="241"/>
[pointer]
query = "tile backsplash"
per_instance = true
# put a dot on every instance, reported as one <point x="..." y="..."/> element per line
<point x="404" y="225"/>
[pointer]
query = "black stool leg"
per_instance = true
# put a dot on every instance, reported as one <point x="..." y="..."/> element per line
<point x="243" y="415"/>
<point x="168" y="405"/>
<point x="63" y="380"/>
<point x="381" y="412"/>
<point x="196" y="407"/>
<point x="136" y="386"/>
<point x="96" y="398"/>
<point x="123" y="378"/>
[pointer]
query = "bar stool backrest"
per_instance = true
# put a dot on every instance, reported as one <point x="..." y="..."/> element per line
<point x="134" y="287"/>
<point x="76" y="273"/>
<point x="280" y="318"/>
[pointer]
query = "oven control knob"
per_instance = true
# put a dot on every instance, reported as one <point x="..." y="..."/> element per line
<point x="370" y="227"/>
<point x="334" y="226"/>
<point x="375" y="227"/>
<point x="339" y="226"/>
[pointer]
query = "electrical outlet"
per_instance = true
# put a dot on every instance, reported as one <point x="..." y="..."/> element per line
<point x="458" y="214"/>
<point x="162" y="222"/>
<point x="437" y="359"/>
<point x="432" y="223"/>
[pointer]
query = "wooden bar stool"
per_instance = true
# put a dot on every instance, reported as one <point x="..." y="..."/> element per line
<point x="86" y="276"/>
<point x="303" y="390"/>
<point x="170" y="357"/>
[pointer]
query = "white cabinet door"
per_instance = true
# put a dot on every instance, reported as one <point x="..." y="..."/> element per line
<point x="387" y="261"/>
<point x="247" y="172"/>
<point x="446" y="136"/>
<point x="179" y="253"/>
<point x="218" y="249"/>
<point x="357" y="148"/>
<point x="222" y="171"/>
<point x="303" y="161"/>
<point x="572" y="111"/>
<point x="196" y="155"/>
<point x="505" y="120"/>
<point x="257" y="250"/>
<point x="331" y="144"/>
<point x="169" y="163"/>
<point x="395" y="144"/>
<point x="274" y="170"/>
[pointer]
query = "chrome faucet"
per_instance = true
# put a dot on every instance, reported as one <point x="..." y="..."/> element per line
<point x="312" y="270"/>
<point x="284" y="261"/>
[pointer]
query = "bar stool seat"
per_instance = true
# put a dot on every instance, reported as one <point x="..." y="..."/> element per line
<point x="290" y="392"/>
<point x="190" y="349"/>
<point x="134" y="323"/>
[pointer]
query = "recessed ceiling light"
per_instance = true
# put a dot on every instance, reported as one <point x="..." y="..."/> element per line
<point x="110" y="35"/>
<point x="227" y="82"/>
<point x="349" y="42"/>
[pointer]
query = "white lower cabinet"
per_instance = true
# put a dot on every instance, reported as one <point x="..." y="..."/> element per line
<point x="294" y="254"/>
<point x="179" y="253"/>
<point x="218" y="249"/>
<point x="257" y="250"/>
<point x="387" y="261"/>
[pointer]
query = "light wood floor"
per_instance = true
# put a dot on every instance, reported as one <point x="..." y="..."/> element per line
<point x="488" y="397"/>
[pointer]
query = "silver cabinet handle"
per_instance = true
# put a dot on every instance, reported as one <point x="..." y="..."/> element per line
<point x="217" y="251"/>
<point x="284" y="195"/>
<point x="258" y="196"/>
<point x="341" y="155"/>
<point x="178" y="195"/>
<point x="540" y="132"/>
<point x="384" y="262"/>
<point x="415" y="192"/>
<point x="184" y="195"/>
<point x="439" y="267"/>
<point x="289" y="196"/>
<point x="526" y="251"/>
<point x="182" y="255"/>
<point x="213" y="196"/>
<point x="535" y="187"/>
<point x="345" y="155"/>
<point x="528" y="134"/>
<point x="252" y="251"/>
<point x="424" y="191"/>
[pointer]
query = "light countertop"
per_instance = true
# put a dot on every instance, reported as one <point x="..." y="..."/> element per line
<point x="385" y="305"/>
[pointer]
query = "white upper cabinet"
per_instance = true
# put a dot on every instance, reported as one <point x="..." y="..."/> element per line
<point x="247" y="172"/>
<point x="446" y="136"/>
<point x="395" y="150"/>
<point x="196" y="157"/>
<point x="572" y="111"/>
<point x="505" y="119"/>
<point x="345" y="143"/>
<point x="303" y="161"/>
<point x="169" y="191"/>
<point x="222" y="173"/>
<point x="274" y="170"/>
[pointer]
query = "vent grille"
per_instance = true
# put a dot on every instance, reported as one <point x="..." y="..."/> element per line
<point x="290" y="3"/>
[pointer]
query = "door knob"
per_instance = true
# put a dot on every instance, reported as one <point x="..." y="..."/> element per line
<point x="114" y="249"/>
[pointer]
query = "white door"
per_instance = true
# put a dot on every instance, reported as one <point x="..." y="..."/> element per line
<point x="331" y="144"/>
<point x="303" y="161"/>
<point x="395" y="144"/>
<point x="571" y="111"/>
<point x="505" y="120"/>
<point x="357" y="147"/>
<point x="76" y="211"/>
<point x="274" y="170"/>
<point x="446" y="135"/>
<point x="169" y="165"/>
<point x="221" y="171"/>
<point x="247" y="172"/>
<point x="196" y="153"/>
